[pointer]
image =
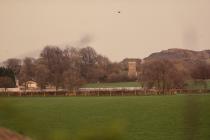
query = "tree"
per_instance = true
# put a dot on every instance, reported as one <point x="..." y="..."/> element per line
<point x="88" y="62"/>
<point x="72" y="58"/>
<point x="7" y="78"/>
<point x="88" y="55"/>
<point x="41" y="73"/>
<point x="161" y="74"/>
<point x="6" y="82"/>
<point x="53" y="58"/>
<point x="116" y="73"/>
<point x="14" y="64"/>
<point x="72" y="75"/>
<point x="201" y="72"/>
<point x="72" y="79"/>
<point x="102" y="65"/>
<point x="27" y="70"/>
<point x="121" y="76"/>
<point x="92" y="67"/>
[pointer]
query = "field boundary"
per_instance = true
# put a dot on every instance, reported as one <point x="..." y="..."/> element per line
<point x="102" y="92"/>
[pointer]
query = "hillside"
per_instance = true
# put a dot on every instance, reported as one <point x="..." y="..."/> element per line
<point x="180" y="54"/>
<point x="185" y="59"/>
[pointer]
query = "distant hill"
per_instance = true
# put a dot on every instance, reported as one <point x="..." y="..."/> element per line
<point x="185" y="59"/>
<point x="180" y="54"/>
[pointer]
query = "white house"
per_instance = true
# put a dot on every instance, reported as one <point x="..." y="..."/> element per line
<point x="31" y="85"/>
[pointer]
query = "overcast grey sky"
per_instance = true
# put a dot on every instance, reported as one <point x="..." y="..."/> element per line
<point x="142" y="27"/>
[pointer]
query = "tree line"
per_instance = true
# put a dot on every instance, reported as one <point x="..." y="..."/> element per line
<point x="7" y="78"/>
<point x="165" y="75"/>
<point x="67" y="68"/>
<point x="71" y="67"/>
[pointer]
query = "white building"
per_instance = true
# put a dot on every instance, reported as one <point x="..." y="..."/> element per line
<point x="30" y="85"/>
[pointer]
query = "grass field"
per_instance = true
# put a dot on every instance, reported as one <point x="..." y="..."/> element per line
<point x="177" y="117"/>
<point x="111" y="85"/>
<point x="190" y="85"/>
<point x="198" y="85"/>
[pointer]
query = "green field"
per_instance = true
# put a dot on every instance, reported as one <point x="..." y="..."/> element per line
<point x="189" y="85"/>
<point x="111" y="85"/>
<point x="198" y="85"/>
<point x="177" y="117"/>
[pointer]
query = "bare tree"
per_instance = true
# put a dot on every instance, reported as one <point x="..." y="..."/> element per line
<point x="201" y="73"/>
<point x="27" y="70"/>
<point x="53" y="59"/>
<point x="102" y="67"/>
<point x="72" y="79"/>
<point x="72" y="58"/>
<point x="72" y="74"/>
<point x="88" y="55"/>
<point x="116" y="73"/>
<point x="89" y="58"/>
<point x="42" y="73"/>
<point x="121" y="76"/>
<point x="162" y="75"/>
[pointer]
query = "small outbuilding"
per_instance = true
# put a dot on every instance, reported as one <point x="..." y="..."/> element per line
<point x="31" y="85"/>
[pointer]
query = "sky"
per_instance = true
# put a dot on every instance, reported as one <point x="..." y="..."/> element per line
<point x="139" y="29"/>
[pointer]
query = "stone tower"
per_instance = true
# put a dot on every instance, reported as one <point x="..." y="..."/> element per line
<point x="132" y="69"/>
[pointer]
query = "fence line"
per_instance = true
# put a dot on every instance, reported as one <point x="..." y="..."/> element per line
<point x="131" y="91"/>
